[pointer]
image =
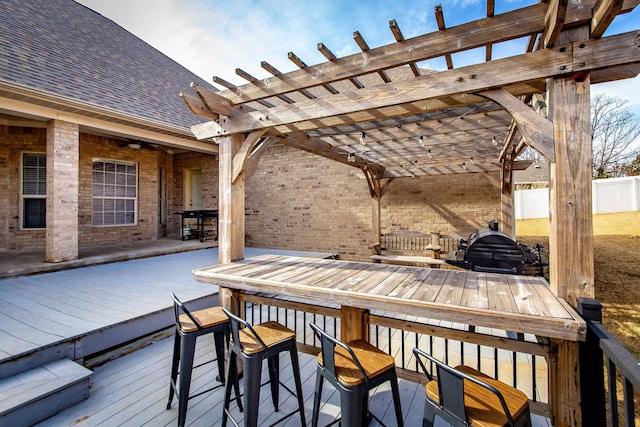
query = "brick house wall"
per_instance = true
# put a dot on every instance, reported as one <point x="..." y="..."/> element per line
<point x="5" y="174"/>
<point x="208" y="166"/>
<point x="99" y="147"/>
<point x="16" y="140"/>
<point x="300" y="201"/>
<point x="294" y="200"/>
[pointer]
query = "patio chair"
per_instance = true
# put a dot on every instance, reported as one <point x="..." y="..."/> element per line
<point x="254" y="344"/>
<point x="189" y="326"/>
<point x="463" y="396"/>
<point x="353" y="369"/>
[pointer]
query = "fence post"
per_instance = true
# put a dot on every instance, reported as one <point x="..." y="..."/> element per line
<point x="592" y="367"/>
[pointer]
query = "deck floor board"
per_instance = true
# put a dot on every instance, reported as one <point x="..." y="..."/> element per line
<point x="133" y="390"/>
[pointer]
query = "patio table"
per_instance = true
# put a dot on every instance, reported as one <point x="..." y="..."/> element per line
<point x="511" y="302"/>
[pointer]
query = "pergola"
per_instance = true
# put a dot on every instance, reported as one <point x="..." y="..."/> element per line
<point x="379" y="111"/>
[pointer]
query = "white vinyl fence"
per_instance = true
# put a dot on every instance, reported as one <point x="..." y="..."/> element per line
<point x="609" y="195"/>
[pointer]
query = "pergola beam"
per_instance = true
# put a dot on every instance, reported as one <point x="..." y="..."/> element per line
<point x="425" y="92"/>
<point x="499" y="28"/>
<point x="603" y="14"/>
<point x="537" y="131"/>
<point x="554" y="21"/>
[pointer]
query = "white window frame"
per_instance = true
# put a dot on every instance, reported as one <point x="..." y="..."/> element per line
<point x="24" y="196"/>
<point x="100" y="194"/>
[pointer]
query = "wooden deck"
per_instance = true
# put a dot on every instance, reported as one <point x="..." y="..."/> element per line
<point x="133" y="391"/>
<point x="78" y="312"/>
<point x="91" y="306"/>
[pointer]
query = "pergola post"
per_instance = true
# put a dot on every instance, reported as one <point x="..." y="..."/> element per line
<point x="571" y="223"/>
<point x="231" y="209"/>
<point x="230" y="213"/>
<point x="376" y="225"/>
<point x="507" y="209"/>
<point x="571" y="230"/>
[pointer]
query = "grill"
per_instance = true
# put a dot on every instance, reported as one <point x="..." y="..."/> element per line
<point x="489" y="250"/>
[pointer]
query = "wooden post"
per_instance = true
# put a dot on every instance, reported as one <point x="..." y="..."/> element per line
<point x="507" y="209"/>
<point x="571" y="231"/>
<point x="231" y="208"/>
<point x="230" y="215"/>
<point x="354" y="324"/>
<point x="571" y="226"/>
<point x="375" y="191"/>
<point x="564" y="384"/>
<point x="376" y="224"/>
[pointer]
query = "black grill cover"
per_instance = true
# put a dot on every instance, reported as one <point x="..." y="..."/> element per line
<point x="489" y="250"/>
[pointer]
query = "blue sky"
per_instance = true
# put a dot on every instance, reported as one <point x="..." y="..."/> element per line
<point x="214" y="37"/>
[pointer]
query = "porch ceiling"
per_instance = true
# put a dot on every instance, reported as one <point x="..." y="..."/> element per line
<point x="381" y="111"/>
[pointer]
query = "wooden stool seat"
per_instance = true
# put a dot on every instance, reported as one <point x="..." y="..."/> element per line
<point x="373" y="360"/>
<point x="464" y="396"/>
<point x="189" y="326"/>
<point x="271" y="333"/>
<point x="353" y="369"/>
<point x="253" y="344"/>
<point x="206" y="318"/>
<point x="484" y="409"/>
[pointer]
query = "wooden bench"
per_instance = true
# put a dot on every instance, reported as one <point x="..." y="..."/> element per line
<point x="412" y="248"/>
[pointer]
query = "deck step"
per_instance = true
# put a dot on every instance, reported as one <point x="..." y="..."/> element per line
<point x="37" y="394"/>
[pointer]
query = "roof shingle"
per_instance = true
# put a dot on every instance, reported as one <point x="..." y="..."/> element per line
<point x="67" y="50"/>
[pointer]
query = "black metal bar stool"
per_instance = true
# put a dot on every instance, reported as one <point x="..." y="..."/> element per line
<point x="353" y="369"/>
<point x="463" y="396"/>
<point x="254" y="344"/>
<point x="189" y="326"/>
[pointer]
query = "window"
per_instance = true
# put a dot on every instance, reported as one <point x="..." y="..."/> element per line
<point x="115" y="193"/>
<point x="34" y="190"/>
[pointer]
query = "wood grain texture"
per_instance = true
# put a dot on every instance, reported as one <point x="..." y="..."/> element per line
<point x="520" y="305"/>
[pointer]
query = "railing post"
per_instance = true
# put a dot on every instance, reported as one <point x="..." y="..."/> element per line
<point x="592" y="367"/>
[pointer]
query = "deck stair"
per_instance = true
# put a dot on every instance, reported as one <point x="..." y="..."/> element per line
<point x="34" y="395"/>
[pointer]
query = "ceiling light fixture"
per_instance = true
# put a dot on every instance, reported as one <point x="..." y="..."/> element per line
<point x="362" y="138"/>
<point x="134" y="145"/>
<point x="351" y="157"/>
<point x="494" y="141"/>
<point x="421" y="140"/>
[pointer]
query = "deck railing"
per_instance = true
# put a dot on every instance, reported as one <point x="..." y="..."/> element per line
<point x="508" y="357"/>
<point x="602" y="354"/>
<point x="516" y="361"/>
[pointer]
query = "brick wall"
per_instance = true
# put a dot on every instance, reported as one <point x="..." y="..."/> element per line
<point x="299" y="201"/>
<point x="16" y="140"/>
<point x="295" y="200"/>
<point x="5" y="209"/>
<point x="208" y="166"/>
<point x="99" y="147"/>
<point x="447" y="203"/>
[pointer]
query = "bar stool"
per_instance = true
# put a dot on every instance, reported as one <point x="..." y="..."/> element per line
<point x="253" y="344"/>
<point x="189" y="326"/>
<point x="353" y="369"/>
<point x="463" y="396"/>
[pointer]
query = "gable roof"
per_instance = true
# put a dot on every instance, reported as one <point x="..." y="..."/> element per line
<point x="60" y="53"/>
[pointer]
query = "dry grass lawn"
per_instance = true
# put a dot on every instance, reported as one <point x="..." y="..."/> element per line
<point x="617" y="269"/>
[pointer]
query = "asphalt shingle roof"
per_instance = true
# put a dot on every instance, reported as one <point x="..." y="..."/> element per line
<point x="66" y="49"/>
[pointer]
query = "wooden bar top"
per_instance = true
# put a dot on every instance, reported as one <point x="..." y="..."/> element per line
<point x="509" y="302"/>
